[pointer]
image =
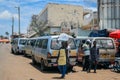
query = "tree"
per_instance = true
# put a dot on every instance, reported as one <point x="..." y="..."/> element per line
<point x="1" y="36"/>
<point x="7" y="34"/>
<point x="36" y="26"/>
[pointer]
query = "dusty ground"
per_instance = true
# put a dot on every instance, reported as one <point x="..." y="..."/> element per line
<point x="17" y="67"/>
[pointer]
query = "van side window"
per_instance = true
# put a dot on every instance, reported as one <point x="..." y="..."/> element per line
<point x="55" y="44"/>
<point x="28" y="42"/>
<point x="40" y="43"/>
<point x="105" y="43"/>
<point x="32" y="42"/>
<point x="44" y="43"/>
<point x="37" y="43"/>
<point x="15" y="41"/>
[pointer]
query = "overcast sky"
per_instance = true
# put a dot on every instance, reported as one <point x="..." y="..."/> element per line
<point x="27" y="9"/>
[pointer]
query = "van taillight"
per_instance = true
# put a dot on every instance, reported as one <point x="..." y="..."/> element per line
<point x="48" y="55"/>
<point x="112" y="62"/>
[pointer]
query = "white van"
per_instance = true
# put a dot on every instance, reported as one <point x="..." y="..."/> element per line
<point x="17" y="45"/>
<point x="46" y="51"/>
<point x="29" y="46"/>
<point x="107" y="49"/>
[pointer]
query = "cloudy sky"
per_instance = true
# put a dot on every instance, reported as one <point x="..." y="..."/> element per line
<point x="27" y="9"/>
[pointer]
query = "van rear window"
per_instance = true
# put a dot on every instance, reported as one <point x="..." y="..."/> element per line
<point x="105" y="43"/>
<point x="55" y="44"/>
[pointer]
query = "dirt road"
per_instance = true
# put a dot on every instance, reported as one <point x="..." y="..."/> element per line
<point x="17" y="67"/>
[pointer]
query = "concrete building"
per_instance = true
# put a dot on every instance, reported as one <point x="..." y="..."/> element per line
<point x="90" y="20"/>
<point x="109" y="14"/>
<point x="57" y="18"/>
<point x="34" y="27"/>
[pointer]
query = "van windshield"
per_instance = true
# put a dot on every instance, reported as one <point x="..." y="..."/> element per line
<point x="55" y="44"/>
<point x="105" y="43"/>
<point x="22" y="41"/>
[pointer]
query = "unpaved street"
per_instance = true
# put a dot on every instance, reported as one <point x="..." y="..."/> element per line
<point x="18" y="67"/>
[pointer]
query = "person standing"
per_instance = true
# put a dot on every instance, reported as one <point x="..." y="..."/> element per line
<point x="62" y="58"/>
<point x="86" y="51"/>
<point x="94" y="56"/>
<point x="118" y="51"/>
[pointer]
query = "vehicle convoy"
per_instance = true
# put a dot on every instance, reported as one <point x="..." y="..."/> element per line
<point x="46" y="51"/>
<point x="17" y="45"/>
<point x="107" y="49"/>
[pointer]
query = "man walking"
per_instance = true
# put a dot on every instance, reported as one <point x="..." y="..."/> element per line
<point x="62" y="59"/>
<point x="86" y="50"/>
<point x="94" y="56"/>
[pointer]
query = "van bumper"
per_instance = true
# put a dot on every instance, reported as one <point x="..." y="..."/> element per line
<point x="21" y="51"/>
<point x="105" y="62"/>
<point x="53" y="63"/>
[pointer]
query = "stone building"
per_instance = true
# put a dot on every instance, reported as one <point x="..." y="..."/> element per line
<point x="58" y="18"/>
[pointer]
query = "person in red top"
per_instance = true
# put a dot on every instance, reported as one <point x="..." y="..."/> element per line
<point x="118" y="51"/>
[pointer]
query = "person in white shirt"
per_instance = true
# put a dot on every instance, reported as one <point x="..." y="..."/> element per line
<point x="86" y="50"/>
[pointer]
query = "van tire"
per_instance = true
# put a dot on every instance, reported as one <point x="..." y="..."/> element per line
<point x="25" y="55"/>
<point x="33" y="60"/>
<point x="16" y="52"/>
<point x="42" y="65"/>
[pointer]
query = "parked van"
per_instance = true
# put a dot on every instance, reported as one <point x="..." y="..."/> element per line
<point x="107" y="49"/>
<point x="17" y="45"/>
<point x="29" y="46"/>
<point x="46" y="51"/>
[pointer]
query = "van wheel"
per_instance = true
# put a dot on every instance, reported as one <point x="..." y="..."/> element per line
<point x="25" y="55"/>
<point x="33" y="60"/>
<point x="42" y="66"/>
<point x="16" y="52"/>
<point x="70" y="68"/>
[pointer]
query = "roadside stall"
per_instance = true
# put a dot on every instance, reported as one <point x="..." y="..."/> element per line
<point x="115" y="34"/>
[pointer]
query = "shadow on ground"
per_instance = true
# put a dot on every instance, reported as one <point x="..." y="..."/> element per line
<point x="47" y="70"/>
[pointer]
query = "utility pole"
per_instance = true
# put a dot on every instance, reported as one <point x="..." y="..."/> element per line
<point x="18" y="19"/>
<point x="12" y="26"/>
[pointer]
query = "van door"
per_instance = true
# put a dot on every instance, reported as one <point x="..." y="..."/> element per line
<point x="73" y="51"/>
<point x="44" y="49"/>
<point x="27" y="47"/>
<point x="32" y="44"/>
<point x="37" y="50"/>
